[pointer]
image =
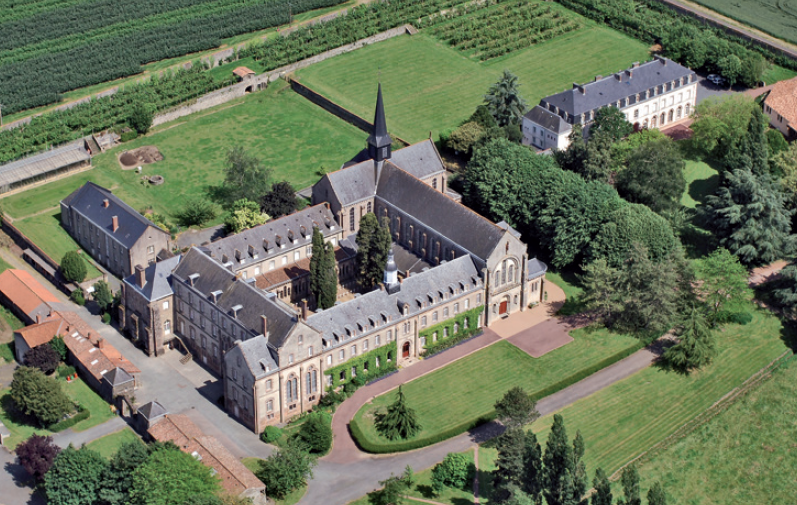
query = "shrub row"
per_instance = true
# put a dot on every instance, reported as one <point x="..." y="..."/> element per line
<point x="383" y="447"/>
<point x="82" y="414"/>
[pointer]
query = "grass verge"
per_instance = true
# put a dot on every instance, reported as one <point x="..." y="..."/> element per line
<point x="109" y="444"/>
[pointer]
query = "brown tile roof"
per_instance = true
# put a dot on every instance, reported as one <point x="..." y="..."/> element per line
<point x="235" y="477"/>
<point x="274" y="278"/>
<point x="243" y="72"/>
<point x="24" y="291"/>
<point x="783" y="100"/>
<point x="38" y="334"/>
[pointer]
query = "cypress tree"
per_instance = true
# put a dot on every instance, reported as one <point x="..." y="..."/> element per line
<point x="532" y="465"/>
<point x="315" y="263"/>
<point x="630" y="481"/>
<point x="329" y="283"/>
<point x="580" y="473"/>
<point x="380" y="250"/>
<point x="656" y="495"/>
<point x="400" y="421"/>
<point x="509" y="469"/>
<point x="558" y="461"/>
<point x="365" y="241"/>
<point x="757" y="142"/>
<point x="603" y="489"/>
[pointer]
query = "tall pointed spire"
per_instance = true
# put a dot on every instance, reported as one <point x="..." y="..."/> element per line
<point x="379" y="140"/>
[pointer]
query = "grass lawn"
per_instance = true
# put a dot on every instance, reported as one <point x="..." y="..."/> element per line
<point x="732" y="459"/>
<point x="777" y="73"/>
<point x="109" y="444"/>
<point x="78" y="391"/>
<point x="445" y="86"/>
<point x="472" y="385"/>
<point x="701" y="180"/>
<point x="287" y="132"/>
<point x="627" y="418"/>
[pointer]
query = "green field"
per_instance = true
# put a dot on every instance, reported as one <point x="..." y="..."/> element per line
<point x="429" y="87"/>
<point x="78" y="391"/>
<point x="472" y="385"/>
<point x="109" y="444"/>
<point x="289" y="134"/>
<point x="743" y="456"/>
<point x="775" y="17"/>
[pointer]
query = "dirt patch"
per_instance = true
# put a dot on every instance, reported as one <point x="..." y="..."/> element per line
<point x="141" y="156"/>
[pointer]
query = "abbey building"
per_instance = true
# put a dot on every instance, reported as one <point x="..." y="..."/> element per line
<point x="240" y="306"/>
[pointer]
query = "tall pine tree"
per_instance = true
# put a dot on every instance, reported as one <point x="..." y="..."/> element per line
<point x="400" y="421"/>
<point x="696" y="347"/>
<point x="630" y="481"/>
<point x="603" y="489"/>
<point x="329" y="278"/>
<point x="656" y="494"/>
<point x="509" y="471"/>
<point x="558" y="461"/>
<point x="532" y="463"/>
<point x="316" y="260"/>
<point x="373" y="244"/>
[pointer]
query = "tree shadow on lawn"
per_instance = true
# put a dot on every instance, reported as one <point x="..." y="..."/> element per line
<point x="699" y="189"/>
<point x="14" y="415"/>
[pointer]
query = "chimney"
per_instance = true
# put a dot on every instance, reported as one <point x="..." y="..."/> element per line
<point x="598" y="78"/>
<point x="115" y="223"/>
<point x="635" y="65"/>
<point x="38" y="318"/>
<point x="618" y="76"/>
<point x="304" y="310"/>
<point x="238" y="255"/>
<point x="101" y="343"/>
<point x="264" y="325"/>
<point x="106" y="203"/>
<point x="141" y="279"/>
<point x="580" y="88"/>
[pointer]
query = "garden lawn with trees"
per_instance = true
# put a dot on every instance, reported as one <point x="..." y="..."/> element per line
<point x="194" y="158"/>
<point x="473" y="384"/>
<point x="108" y="445"/>
<point x="447" y="86"/>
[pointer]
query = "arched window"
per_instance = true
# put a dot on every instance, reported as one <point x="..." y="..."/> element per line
<point x="434" y="183"/>
<point x="678" y="112"/>
<point x="511" y="273"/>
<point x="670" y="115"/>
<point x="686" y="110"/>
<point x="351" y="219"/>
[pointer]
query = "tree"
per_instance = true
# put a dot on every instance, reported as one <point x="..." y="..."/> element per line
<point x="244" y="214"/>
<point x="37" y="454"/>
<point x="532" y="468"/>
<point x="73" y="267"/>
<point x="44" y="357"/>
<point x="731" y="68"/>
<point x="749" y="217"/>
<point x="454" y="471"/>
<point x="598" y="163"/>
<point x="316" y="261"/>
<point x="316" y="432"/>
<point x="140" y="118"/>
<point x="516" y="409"/>
<point x="580" y="468"/>
<point x="280" y="201"/>
<point x="196" y="212"/>
<point x="75" y="477"/>
<point x="464" y="138"/>
<point x="103" y="295"/>
<point x="400" y="421"/>
<point x="558" y="464"/>
<point x="118" y="477"/>
<point x="784" y="164"/>
<point x="58" y="344"/>
<point x="206" y="499"/>
<point x="630" y="481"/>
<point x="37" y="395"/>
<point x="169" y="477"/>
<point x="654" y="176"/>
<point x="483" y="118"/>
<point x="573" y="157"/>
<point x="776" y="142"/>
<point x="393" y="489"/>
<point x="656" y="494"/>
<point x="720" y="122"/>
<point x="603" y="489"/>
<point x="329" y="278"/>
<point x="622" y="150"/>
<point x="373" y="245"/>
<point x="286" y="470"/>
<point x="696" y="347"/>
<point x="785" y="291"/>
<point x="601" y="295"/>
<point x="245" y="177"/>
<point x="722" y="282"/>
<point x="612" y="122"/>
<point x="510" y="464"/>
<point x="503" y="100"/>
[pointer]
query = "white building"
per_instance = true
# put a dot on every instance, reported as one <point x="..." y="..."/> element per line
<point x="780" y="104"/>
<point x="651" y="95"/>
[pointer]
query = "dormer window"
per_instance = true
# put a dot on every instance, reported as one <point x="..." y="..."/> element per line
<point x="406" y="310"/>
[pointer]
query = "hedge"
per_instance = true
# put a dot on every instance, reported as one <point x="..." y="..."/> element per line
<point x="464" y="332"/>
<point x="407" y="445"/>
<point x="82" y="414"/>
<point x="359" y="361"/>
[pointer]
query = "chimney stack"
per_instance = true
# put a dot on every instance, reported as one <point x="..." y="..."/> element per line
<point x="106" y="203"/>
<point x="141" y="278"/>
<point x="635" y="65"/>
<point x="38" y="318"/>
<point x="101" y="343"/>
<point x="304" y="310"/>
<point x="264" y="325"/>
<point x="598" y="78"/>
<point x="115" y="223"/>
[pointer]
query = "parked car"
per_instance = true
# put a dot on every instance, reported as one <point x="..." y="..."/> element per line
<point x="716" y="79"/>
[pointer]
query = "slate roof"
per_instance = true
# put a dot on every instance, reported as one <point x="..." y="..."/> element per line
<point x="438" y="212"/>
<point x="609" y="89"/>
<point x="299" y="225"/>
<point x="378" y="308"/>
<point x="28" y="294"/>
<point x="379" y="136"/>
<point x="536" y="268"/>
<point x="88" y="199"/>
<point x="157" y="279"/>
<point x="783" y="100"/>
<point x="258" y="357"/>
<point x="213" y="276"/>
<point x="152" y="410"/>
<point x="117" y="376"/>
<point x="548" y="120"/>
<point x="421" y="160"/>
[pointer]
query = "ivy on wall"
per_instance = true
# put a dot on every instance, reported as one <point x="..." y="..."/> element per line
<point x="359" y="364"/>
<point x="463" y="331"/>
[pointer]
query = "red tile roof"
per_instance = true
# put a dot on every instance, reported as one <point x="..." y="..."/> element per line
<point x="38" y="334"/>
<point x="243" y="72"/>
<point x="235" y="477"/>
<point x="783" y="100"/>
<point x="24" y="291"/>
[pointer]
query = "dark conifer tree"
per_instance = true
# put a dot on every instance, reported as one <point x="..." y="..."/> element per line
<point x="532" y="463"/>
<point x="316" y="260"/>
<point x="329" y="278"/>
<point x="603" y="489"/>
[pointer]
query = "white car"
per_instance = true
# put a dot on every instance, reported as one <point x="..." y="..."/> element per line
<point x="716" y="79"/>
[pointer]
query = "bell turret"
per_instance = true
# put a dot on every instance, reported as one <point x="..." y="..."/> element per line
<point x="391" y="274"/>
